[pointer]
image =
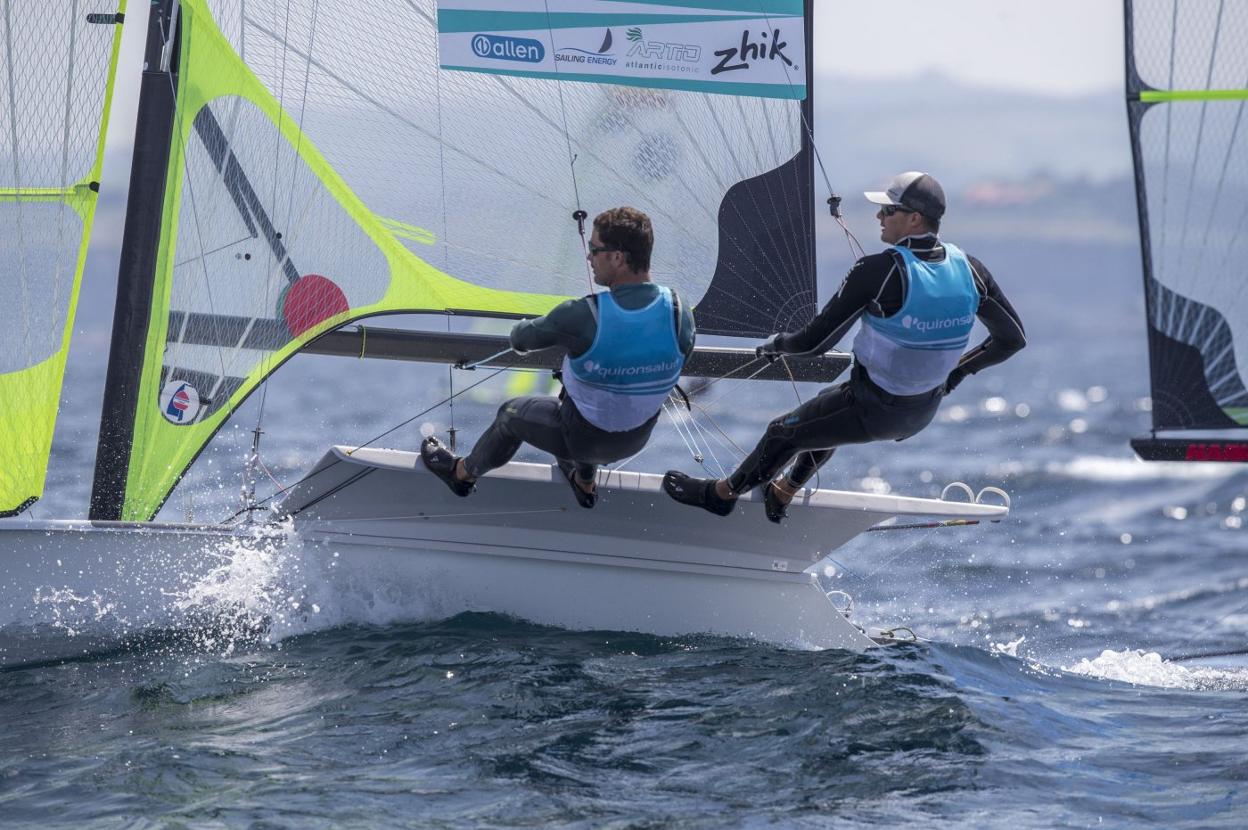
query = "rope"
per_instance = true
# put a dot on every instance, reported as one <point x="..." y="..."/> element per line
<point x="490" y="359"/>
<point x="924" y="525"/>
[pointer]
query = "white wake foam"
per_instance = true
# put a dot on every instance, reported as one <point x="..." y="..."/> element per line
<point x="1149" y="669"/>
<point x="1109" y="468"/>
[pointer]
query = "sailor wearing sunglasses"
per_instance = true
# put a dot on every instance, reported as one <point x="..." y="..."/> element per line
<point x="918" y="301"/>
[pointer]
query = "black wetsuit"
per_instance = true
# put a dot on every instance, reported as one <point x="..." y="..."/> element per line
<point x="555" y="425"/>
<point x="859" y="411"/>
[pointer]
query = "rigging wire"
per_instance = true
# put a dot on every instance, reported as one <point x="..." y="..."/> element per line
<point x="579" y="214"/>
<point x="375" y="438"/>
<point x="834" y="201"/>
<point x="450" y="382"/>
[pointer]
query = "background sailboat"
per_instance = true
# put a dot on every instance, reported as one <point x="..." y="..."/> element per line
<point x="59" y="77"/>
<point x="1187" y="85"/>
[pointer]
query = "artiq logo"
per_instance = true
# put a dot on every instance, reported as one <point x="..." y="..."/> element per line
<point x="499" y="47"/>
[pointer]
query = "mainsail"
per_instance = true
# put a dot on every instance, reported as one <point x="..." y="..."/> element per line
<point x="57" y="82"/>
<point x="1187" y="86"/>
<point x="323" y="167"/>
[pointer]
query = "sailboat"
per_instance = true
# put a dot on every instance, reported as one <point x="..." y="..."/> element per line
<point x="1187" y="86"/>
<point x="294" y="173"/>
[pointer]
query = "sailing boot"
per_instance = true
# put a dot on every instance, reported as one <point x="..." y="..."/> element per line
<point x="441" y="462"/>
<point x="699" y="492"/>
<point x="584" y="498"/>
<point x="775" y="509"/>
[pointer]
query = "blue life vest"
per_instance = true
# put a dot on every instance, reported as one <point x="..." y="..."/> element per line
<point x="914" y="350"/>
<point x="622" y="380"/>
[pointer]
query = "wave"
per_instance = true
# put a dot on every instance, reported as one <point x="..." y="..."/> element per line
<point x="1143" y="668"/>
<point x="1116" y="469"/>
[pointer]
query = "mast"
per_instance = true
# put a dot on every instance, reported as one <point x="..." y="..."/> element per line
<point x="137" y="269"/>
<point x="808" y="145"/>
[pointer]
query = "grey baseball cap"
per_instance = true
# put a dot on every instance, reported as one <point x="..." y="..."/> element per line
<point x="913" y="191"/>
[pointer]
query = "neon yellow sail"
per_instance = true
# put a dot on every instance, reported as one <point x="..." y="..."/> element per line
<point x="336" y="260"/>
<point x="51" y="159"/>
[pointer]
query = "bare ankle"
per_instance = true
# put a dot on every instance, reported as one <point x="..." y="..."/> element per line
<point x="723" y="490"/>
<point x="461" y="472"/>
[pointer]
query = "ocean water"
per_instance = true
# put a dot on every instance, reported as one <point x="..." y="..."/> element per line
<point x="1048" y="688"/>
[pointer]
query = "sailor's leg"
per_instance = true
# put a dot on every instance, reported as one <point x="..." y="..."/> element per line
<point x="591" y="446"/>
<point x="532" y="420"/>
<point x="828" y="420"/>
<point x="806" y="465"/>
<point x="586" y="473"/>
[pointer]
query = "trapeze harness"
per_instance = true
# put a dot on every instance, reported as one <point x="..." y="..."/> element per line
<point x="900" y="366"/>
<point x="914" y="350"/>
<point x="622" y="380"/>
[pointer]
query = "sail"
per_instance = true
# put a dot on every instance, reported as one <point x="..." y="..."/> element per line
<point x="57" y="83"/>
<point x="324" y="167"/>
<point x="1187" y="87"/>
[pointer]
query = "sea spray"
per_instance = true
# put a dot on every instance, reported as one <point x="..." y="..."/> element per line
<point x="1149" y="669"/>
<point x="261" y="591"/>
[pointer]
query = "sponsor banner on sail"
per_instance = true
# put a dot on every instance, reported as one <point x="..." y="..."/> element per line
<point x="727" y="47"/>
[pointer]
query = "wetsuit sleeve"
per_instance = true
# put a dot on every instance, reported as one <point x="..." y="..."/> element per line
<point x="570" y="324"/>
<point x="686" y="335"/>
<point x="861" y="287"/>
<point x="1005" y="328"/>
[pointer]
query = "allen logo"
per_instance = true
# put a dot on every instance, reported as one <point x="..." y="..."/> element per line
<point x="504" y="48"/>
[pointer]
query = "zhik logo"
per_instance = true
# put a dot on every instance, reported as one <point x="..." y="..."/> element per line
<point x="499" y="47"/>
<point x="749" y="50"/>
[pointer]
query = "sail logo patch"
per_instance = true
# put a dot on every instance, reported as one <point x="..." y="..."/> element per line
<point x="604" y="371"/>
<point x="601" y="55"/>
<point x="920" y="324"/>
<point x="179" y="402"/>
<point x="756" y="51"/>
<point x="762" y="49"/>
<point x="503" y="48"/>
<point x="660" y="54"/>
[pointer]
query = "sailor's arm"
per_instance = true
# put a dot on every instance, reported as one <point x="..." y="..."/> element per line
<point x="862" y="286"/>
<point x="569" y="324"/>
<point x="686" y="332"/>
<point x="1005" y="329"/>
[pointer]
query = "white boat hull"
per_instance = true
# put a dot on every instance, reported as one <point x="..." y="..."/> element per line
<point x="638" y="561"/>
<point x="377" y="535"/>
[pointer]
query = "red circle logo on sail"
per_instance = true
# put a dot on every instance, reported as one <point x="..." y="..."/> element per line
<point x="309" y="301"/>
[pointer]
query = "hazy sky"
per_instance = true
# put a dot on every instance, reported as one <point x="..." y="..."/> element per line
<point x="1064" y="47"/>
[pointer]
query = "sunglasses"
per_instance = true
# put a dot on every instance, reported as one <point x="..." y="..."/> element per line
<point x="889" y="210"/>
<point x="594" y="250"/>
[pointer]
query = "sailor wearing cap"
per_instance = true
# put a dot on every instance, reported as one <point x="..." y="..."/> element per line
<point x="918" y="300"/>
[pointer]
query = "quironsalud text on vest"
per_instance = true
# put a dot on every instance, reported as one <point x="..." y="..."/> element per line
<point x="624" y="377"/>
<point x="914" y="350"/>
